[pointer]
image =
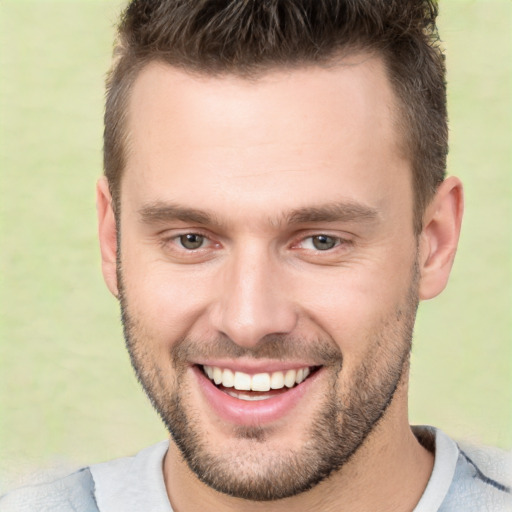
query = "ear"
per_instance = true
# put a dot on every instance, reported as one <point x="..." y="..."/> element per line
<point x="439" y="237"/>
<point x="107" y="235"/>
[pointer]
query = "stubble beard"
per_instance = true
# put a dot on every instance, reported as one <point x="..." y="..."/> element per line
<point x="340" y="425"/>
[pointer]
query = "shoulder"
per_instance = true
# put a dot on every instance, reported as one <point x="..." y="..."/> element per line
<point x="74" y="492"/>
<point x="496" y="464"/>
<point x="130" y="484"/>
<point x="465" y="478"/>
<point x="482" y="479"/>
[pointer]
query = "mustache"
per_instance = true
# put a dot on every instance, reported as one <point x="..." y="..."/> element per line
<point x="280" y="347"/>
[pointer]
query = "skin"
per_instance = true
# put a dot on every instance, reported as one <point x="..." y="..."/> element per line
<point x="249" y="154"/>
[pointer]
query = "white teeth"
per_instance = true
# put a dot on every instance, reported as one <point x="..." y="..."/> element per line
<point x="228" y="378"/>
<point x="242" y="381"/>
<point x="258" y="382"/>
<point x="217" y="375"/>
<point x="248" y="398"/>
<point x="277" y="380"/>
<point x="289" y="378"/>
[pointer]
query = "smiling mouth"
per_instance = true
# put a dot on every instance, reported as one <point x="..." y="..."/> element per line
<point x="259" y="386"/>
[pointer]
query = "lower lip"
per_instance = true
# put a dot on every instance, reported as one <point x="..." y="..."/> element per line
<point x="252" y="413"/>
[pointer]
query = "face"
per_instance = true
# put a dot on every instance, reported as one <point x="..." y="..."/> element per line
<point x="267" y="267"/>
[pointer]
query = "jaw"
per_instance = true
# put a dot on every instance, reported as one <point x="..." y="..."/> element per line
<point x="252" y="453"/>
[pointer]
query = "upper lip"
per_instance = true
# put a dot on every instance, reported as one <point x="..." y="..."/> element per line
<point x="253" y="367"/>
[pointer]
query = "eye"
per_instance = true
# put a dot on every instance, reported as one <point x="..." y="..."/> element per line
<point x="320" y="242"/>
<point x="191" y="241"/>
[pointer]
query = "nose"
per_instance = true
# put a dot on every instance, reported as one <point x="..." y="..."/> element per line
<point x="252" y="300"/>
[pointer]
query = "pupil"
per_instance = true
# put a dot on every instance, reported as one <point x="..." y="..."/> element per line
<point x="323" y="242"/>
<point x="191" y="241"/>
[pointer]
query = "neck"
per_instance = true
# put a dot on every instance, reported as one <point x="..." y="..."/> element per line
<point x="389" y="472"/>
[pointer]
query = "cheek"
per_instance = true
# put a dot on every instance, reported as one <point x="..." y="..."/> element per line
<point x="166" y="302"/>
<point x="356" y="306"/>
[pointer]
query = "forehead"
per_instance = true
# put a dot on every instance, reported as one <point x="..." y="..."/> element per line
<point x="233" y="137"/>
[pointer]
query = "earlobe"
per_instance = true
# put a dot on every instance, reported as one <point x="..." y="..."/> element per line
<point x="439" y="238"/>
<point x="107" y="235"/>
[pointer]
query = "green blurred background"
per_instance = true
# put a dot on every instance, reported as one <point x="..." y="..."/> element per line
<point x="67" y="392"/>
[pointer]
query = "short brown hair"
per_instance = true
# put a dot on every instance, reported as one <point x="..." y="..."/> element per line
<point x="248" y="37"/>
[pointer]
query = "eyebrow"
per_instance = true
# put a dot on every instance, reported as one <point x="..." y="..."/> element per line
<point x="333" y="212"/>
<point x="164" y="212"/>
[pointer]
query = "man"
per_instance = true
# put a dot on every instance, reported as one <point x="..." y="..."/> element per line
<point x="273" y="209"/>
